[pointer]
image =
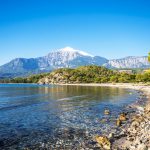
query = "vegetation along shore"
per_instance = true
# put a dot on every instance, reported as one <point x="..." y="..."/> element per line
<point x="84" y="74"/>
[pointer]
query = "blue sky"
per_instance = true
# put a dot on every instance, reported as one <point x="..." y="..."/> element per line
<point x="108" y="28"/>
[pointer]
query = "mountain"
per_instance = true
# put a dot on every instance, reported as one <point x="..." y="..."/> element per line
<point x="62" y="58"/>
<point x="69" y="58"/>
<point x="66" y="58"/>
<point x="129" y="62"/>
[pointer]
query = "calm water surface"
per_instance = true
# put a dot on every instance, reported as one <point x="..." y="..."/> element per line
<point x="54" y="117"/>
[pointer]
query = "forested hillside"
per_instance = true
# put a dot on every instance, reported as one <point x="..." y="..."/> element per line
<point x="84" y="74"/>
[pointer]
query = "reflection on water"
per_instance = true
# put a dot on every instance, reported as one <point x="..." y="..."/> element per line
<point x="31" y="115"/>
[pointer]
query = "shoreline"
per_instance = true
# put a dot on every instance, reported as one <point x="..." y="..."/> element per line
<point x="134" y="86"/>
<point x="122" y="85"/>
<point x="135" y="133"/>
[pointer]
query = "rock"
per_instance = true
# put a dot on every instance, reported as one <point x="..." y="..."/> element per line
<point x="140" y="108"/>
<point x="135" y="124"/>
<point x="106" y="111"/>
<point x="103" y="120"/>
<point x="131" y="139"/>
<point x="118" y="122"/>
<point x="142" y="147"/>
<point x="122" y="117"/>
<point x="104" y="142"/>
<point x="111" y="135"/>
<point x="138" y="118"/>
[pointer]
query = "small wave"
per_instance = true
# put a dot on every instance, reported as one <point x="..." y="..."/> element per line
<point x="71" y="98"/>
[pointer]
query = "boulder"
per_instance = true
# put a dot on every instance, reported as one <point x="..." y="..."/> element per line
<point x="118" y="122"/>
<point x="122" y="117"/>
<point x="104" y="142"/>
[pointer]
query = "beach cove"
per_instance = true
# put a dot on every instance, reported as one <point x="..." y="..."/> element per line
<point x="60" y="116"/>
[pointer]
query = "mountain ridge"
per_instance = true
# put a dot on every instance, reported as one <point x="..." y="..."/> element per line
<point x="68" y="58"/>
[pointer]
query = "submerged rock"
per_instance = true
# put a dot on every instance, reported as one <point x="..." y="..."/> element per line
<point x="106" y="111"/>
<point x="122" y="117"/>
<point x="103" y="121"/>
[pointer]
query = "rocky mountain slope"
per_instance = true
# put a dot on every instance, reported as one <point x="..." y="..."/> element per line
<point x="66" y="58"/>
<point x="129" y="62"/>
<point x="62" y="58"/>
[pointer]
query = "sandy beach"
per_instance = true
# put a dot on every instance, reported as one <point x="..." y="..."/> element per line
<point x="141" y="87"/>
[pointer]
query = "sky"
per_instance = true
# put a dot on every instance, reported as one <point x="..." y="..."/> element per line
<point x="108" y="28"/>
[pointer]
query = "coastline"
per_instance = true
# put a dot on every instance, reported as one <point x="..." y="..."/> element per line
<point x="134" y="134"/>
<point x="136" y="86"/>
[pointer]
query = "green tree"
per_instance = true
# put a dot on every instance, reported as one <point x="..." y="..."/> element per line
<point x="113" y="79"/>
<point x="139" y="78"/>
<point x="149" y="56"/>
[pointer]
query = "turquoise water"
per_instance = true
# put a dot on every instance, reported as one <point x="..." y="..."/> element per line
<point x="54" y="117"/>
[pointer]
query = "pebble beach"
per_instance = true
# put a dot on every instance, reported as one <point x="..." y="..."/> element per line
<point x="133" y="131"/>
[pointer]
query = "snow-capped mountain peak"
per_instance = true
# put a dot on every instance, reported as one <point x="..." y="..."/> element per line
<point x="67" y="49"/>
<point x="72" y="50"/>
<point x="66" y="58"/>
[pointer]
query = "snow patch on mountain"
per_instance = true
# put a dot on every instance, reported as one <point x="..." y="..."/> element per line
<point x="71" y="50"/>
